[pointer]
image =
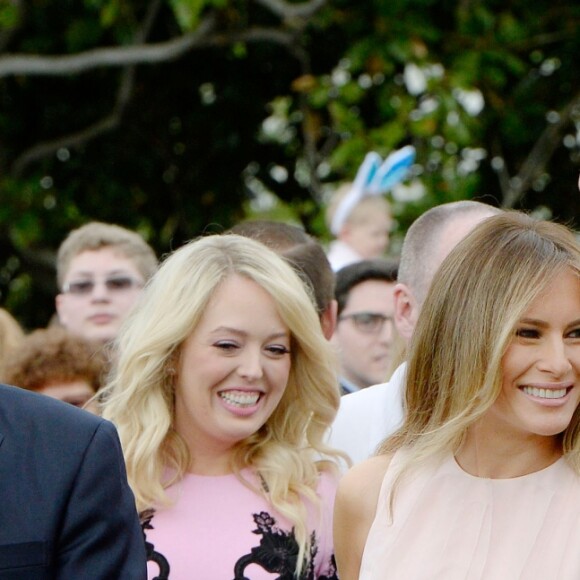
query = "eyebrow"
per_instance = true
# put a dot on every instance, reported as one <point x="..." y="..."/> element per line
<point x="239" y="332"/>
<point x="533" y="321"/>
<point x="89" y="273"/>
<point x="544" y="324"/>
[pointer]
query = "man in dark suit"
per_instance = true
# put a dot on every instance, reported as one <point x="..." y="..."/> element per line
<point x="66" y="512"/>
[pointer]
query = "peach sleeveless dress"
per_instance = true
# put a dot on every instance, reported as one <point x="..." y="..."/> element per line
<point x="449" y="525"/>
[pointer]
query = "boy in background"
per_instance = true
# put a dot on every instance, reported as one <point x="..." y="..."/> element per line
<point x="101" y="269"/>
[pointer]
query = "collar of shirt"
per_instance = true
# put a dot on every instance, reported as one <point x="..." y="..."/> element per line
<point x="347" y="387"/>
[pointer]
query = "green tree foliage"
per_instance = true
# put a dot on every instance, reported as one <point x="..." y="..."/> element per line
<point x="180" y="117"/>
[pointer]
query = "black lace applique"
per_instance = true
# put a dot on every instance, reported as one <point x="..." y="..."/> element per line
<point x="278" y="553"/>
<point x="153" y="556"/>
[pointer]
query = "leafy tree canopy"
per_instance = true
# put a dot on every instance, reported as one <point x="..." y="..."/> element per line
<point x="180" y="117"/>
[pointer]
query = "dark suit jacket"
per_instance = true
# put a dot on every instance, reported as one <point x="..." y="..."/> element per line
<point x="66" y="511"/>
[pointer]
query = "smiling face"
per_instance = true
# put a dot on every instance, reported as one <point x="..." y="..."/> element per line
<point x="232" y="370"/>
<point x="100" y="288"/>
<point x="541" y="367"/>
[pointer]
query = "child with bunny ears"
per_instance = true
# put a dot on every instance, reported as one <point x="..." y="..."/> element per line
<point x="358" y="215"/>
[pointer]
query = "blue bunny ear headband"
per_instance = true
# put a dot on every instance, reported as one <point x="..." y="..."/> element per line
<point x="374" y="177"/>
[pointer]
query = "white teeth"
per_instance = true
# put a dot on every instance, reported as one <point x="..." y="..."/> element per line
<point x="545" y="393"/>
<point x="239" y="399"/>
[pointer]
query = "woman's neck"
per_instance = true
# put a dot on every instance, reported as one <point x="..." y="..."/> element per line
<point x="488" y="452"/>
<point x="209" y="457"/>
<point x="210" y="466"/>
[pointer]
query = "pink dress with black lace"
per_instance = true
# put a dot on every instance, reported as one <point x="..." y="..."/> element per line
<point x="219" y="529"/>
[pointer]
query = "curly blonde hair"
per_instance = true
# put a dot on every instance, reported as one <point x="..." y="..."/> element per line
<point x="286" y="452"/>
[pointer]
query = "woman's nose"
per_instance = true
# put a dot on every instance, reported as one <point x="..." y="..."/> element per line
<point x="555" y="358"/>
<point x="250" y="365"/>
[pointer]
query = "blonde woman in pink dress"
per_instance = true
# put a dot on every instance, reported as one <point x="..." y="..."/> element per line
<point x="223" y="391"/>
<point x="482" y="480"/>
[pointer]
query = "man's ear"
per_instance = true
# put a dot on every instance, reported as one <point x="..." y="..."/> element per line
<point x="406" y="311"/>
<point x="328" y="319"/>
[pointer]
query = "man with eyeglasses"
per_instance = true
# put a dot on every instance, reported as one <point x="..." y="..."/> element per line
<point x="364" y="332"/>
<point x="101" y="269"/>
<point x="367" y="417"/>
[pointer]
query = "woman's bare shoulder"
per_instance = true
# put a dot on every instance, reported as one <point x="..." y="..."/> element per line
<point x="363" y="482"/>
<point x="354" y="512"/>
<point x="367" y="473"/>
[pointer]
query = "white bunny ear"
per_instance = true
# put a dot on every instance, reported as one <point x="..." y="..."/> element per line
<point x="367" y="171"/>
<point x="364" y="176"/>
<point x="393" y="170"/>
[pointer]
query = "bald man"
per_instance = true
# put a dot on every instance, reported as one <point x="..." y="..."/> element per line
<point x="368" y="416"/>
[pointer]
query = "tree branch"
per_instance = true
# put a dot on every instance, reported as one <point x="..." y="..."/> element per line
<point x="129" y="57"/>
<point x="288" y="11"/>
<point x="108" y="123"/>
<point x="137" y="54"/>
<point x="256" y="34"/>
<point x="103" y="57"/>
<point x="545" y="39"/>
<point x="539" y="156"/>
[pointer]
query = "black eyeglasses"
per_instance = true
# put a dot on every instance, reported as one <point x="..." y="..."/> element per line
<point x="115" y="284"/>
<point x="368" y="322"/>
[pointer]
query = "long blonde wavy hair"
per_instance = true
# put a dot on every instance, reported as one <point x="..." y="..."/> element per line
<point x="466" y="324"/>
<point x="139" y="396"/>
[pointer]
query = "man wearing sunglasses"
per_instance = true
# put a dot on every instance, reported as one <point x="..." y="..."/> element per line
<point x="367" y="417"/>
<point x="101" y="269"/>
<point x="365" y="332"/>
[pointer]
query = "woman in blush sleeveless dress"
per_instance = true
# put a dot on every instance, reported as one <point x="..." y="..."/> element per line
<point x="482" y="480"/>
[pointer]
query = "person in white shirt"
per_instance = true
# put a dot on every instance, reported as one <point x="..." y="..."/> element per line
<point x="370" y="415"/>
